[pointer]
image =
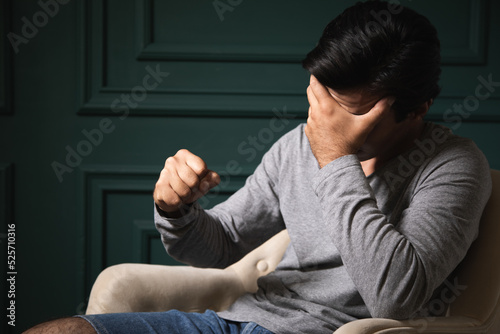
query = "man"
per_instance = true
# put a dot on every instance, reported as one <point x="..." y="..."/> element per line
<point x="380" y="206"/>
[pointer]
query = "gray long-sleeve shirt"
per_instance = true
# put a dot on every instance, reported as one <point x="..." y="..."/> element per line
<point x="376" y="246"/>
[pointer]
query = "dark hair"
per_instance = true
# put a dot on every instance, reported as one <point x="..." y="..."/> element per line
<point x="385" y="50"/>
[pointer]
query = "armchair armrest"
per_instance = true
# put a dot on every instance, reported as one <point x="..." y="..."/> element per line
<point x="435" y="325"/>
<point x="154" y="288"/>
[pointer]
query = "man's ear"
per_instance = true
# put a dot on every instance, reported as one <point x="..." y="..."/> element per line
<point x="422" y="110"/>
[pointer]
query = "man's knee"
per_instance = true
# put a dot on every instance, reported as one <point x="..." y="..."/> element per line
<point x="66" y="325"/>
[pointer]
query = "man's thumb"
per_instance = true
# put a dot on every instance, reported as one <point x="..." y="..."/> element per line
<point x="210" y="180"/>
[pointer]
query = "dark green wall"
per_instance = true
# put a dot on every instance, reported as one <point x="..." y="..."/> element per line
<point x="232" y="77"/>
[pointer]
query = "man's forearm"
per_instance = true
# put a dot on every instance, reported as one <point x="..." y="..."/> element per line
<point x="395" y="270"/>
<point x="194" y="238"/>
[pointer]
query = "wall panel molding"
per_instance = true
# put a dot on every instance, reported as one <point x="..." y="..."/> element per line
<point x="475" y="51"/>
<point x="148" y="49"/>
<point x="144" y="233"/>
<point x="473" y="54"/>
<point x="96" y="96"/>
<point x="96" y="183"/>
<point x="145" y="239"/>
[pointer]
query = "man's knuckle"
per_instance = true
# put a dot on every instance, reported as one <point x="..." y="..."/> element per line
<point x="160" y="197"/>
<point x="199" y="166"/>
<point x="175" y="201"/>
<point x="182" y="152"/>
<point x="161" y="185"/>
<point x="192" y="182"/>
<point x="184" y="193"/>
<point x="170" y="161"/>
<point x="163" y="174"/>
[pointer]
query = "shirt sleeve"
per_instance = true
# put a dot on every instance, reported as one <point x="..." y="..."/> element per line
<point x="397" y="267"/>
<point x="221" y="236"/>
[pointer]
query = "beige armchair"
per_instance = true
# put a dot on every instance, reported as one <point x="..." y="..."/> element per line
<point x="143" y="287"/>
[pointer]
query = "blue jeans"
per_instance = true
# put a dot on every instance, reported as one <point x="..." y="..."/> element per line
<point x="169" y="322"/>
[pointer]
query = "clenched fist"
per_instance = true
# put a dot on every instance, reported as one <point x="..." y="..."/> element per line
<point x="183" y="180"/>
